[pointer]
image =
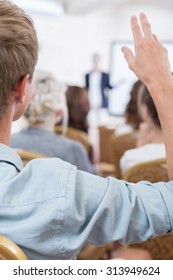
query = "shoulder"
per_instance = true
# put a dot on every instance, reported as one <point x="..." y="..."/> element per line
<point x="133" y="152"/>
<point x="79" y="151"/>
<point x="155" y="148"/>
<point x="51" y="175"/>
<point x="17" y="134"/>
<point x="18" y="137"/>
<point x="72" y="147"/>
<point x="77" y="146"/>
<point x="70" y="142"/>
<point x="40" y="180"/>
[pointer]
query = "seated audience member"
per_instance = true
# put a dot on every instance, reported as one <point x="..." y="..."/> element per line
<point x="78" y="107"/>
<point x="150" y="143"/>
<point x="51" y="209"/>
<point x="131" y="115"/>
<point x="47" y="106"/>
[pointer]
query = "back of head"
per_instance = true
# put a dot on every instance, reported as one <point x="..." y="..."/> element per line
<point x="48" y="98"/>
<point x="131" y="112"/>
<point x="78" y="107"/>
<point x="18" y="49"/>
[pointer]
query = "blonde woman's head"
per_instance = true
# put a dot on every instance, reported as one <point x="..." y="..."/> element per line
<point x="48" y="99"/>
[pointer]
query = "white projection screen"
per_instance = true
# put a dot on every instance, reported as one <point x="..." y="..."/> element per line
<point x="122" y="78"/>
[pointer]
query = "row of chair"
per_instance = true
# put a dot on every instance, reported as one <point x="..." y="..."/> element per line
<point x="153" y="171"/>
<point x="112" y="148"/>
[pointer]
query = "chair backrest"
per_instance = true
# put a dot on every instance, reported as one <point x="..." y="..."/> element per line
<point x="26" y="156"/>
<point x="93" y="252"/>
<point x="104" y="138"/>
<point x="75" y="134"/>
<point x="9" y="250"/>
<point x="152" y="171"/>
<point x="118" y="145"/>
<point x="160" y="248"/>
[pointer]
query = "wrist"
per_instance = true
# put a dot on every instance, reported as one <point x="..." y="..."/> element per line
<point x="161" y="87"/>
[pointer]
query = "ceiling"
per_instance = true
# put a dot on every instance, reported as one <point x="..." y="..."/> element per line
<point x="59" y="7"/>
<point x="85" y="6"/>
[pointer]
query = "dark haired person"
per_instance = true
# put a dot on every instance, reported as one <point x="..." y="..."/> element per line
<point x="150" y="143"/>
<point x="78" y="107"/>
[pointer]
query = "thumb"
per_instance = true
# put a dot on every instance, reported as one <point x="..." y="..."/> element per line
<point x="128" y="56"/>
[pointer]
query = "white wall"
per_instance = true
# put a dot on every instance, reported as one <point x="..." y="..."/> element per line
<point x="66" y="45"/>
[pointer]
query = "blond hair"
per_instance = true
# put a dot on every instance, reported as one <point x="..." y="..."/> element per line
<point x="48" y="98"/>
<point x="18" y="49"/>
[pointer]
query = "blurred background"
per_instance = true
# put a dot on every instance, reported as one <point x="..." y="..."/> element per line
<point x="71" y="31"/>
<point x="117" y="137"/>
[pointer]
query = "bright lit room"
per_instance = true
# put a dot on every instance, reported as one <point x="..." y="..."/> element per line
<point x="94" y="107"/>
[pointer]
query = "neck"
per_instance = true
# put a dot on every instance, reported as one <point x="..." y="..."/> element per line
<point x="5" y="130"/>
<point x="46" y="125"/>
<point x="6" y="124"/>
<point x="96" y="68"/>
<point x="158" y="136"/>
<point x="156" y="133"/>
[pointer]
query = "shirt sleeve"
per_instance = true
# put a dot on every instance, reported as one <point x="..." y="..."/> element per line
<point x="109" y="209"/>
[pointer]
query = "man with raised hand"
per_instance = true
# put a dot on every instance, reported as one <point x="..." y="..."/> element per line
<point x="51" y="209"/>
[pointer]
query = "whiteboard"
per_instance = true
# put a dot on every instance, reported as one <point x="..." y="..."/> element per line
<point x="122" y="78"/>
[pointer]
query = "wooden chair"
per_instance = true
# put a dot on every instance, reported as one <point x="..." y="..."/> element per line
<point x="118" y="145"/>
<point x="152" y="171"/>
<point x="26" y="156"/>
<point x="105" y="165"/>
<point x="160" y="248"/>
<point x="93" y="252"/>
<point x="104" y="138"/>
<point x="9" y="250"/>
<point x="75" y="134"/>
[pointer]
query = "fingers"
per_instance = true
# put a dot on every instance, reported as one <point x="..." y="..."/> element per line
<point x="155" y="38"/>
<point x="139" y="34"/>
<point x="128" y="56"/>
<point x="146" y="27"/>
<point x="136" y="30"/>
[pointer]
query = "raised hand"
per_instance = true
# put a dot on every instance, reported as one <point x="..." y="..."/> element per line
<point x="150" y="61"/>
<point x="151" y="65"/>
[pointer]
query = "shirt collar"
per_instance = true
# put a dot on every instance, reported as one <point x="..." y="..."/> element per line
<point x="9" y="156"/>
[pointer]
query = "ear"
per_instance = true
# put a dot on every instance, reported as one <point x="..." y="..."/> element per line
<point x="59" y="115"/>
<point x="21" y="88"/>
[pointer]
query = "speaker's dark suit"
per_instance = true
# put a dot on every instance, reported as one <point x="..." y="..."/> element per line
<point x="104" y="87"/>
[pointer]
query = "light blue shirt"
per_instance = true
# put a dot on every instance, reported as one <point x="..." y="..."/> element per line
<point x="50" y="209"/>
